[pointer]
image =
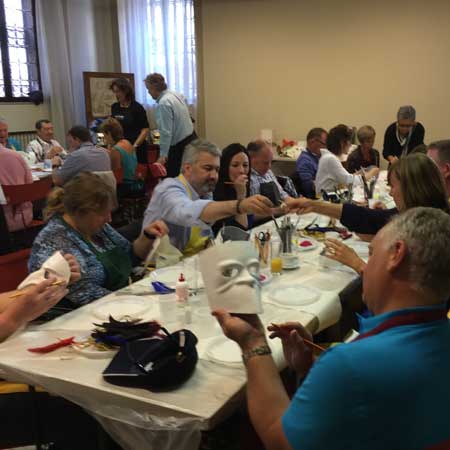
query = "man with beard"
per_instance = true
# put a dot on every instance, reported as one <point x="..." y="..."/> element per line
<point x="185" y="203"/>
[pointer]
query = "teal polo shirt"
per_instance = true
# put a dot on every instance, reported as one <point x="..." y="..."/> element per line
<point x="390" y="391"/>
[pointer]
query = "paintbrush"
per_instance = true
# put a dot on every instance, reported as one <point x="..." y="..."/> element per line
<point x="19" y="294"/>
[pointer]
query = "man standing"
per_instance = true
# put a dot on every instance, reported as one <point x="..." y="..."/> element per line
<point x="45" y="146"/>
<point x="388" y="389"/>
<point x="439" y="152"/>
<point x="5" y="140"/>
<point x="84" y="156"/>
<point x="174" y="123"/>
<point x="261" y="157"/>
<point x="185" y="203"/>
<point x="308" y="161"/>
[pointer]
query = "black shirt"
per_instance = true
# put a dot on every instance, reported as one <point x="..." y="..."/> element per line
<point x="364" y="220"/>
<point x="132" y="118"/>
<point x="392" y="147"/>
<point x="356" y="160"/>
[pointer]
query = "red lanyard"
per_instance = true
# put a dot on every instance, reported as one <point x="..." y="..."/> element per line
<point x="409" y="318"/>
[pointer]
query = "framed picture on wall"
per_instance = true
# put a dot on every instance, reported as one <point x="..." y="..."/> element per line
<point x="98" y="96"/>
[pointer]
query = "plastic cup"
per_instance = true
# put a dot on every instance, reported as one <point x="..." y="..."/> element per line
<point x="168" y="307"/>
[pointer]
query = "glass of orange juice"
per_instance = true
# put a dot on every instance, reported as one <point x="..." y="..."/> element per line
<point x="276" y="264"/>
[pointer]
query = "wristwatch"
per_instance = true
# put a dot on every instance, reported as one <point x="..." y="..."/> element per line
<point x="149" y="235"/>
<point x="257" y="351"/>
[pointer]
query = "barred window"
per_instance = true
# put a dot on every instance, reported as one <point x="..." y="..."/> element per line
<point x="19" y="63"/>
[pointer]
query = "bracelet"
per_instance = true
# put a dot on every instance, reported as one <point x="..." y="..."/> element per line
<point x="257" y="351"/>
<point x="238" y="204"/>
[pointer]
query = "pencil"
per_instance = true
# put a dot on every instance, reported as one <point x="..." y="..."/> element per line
<point x="18" y="294"/>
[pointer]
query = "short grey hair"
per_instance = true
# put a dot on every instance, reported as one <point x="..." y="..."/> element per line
<point x="426" y="233"/>
<point x="193" y="150"/>
<point x="443" y="149"/>
<point x="406" y="112"/>
<point x="3" y="120"/>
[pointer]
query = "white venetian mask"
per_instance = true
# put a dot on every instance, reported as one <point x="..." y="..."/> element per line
<point x="231" y="273"/>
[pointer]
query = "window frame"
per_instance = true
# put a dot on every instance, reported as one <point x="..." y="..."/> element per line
<point x="9" y="98"/>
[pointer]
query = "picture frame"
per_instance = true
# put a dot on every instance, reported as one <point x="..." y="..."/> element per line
<point x="98" y="96"/>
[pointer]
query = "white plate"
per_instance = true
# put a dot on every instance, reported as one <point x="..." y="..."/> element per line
<point x="293" y="295"/>
<point x="169" y="276"/>
<point x="124" y="306"/>
<point x="313" y="245"/>
<point x="222" y="350"/>
<point x="91" y="351"/>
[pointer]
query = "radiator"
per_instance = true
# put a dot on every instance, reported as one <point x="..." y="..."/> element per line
<point x="23" y="137"/>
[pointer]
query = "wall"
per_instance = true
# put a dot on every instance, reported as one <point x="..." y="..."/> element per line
<point x="290" y="65"/>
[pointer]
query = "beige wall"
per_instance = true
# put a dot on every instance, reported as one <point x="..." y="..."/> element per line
<point x="290" y="65"/>
<point x="23" y="116"/>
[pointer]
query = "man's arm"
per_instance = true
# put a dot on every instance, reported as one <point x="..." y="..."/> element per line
<point x="388" y="154"/>
<point x="165" y="128"/>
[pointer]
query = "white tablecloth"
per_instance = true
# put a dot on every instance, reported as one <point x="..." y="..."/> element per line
<point x="140" y="419"/>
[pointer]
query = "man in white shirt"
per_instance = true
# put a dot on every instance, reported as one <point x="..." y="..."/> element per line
<point x="44" y="146"/>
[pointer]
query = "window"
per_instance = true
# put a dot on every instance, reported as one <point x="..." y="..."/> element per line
<point x="19" y="64"/>
<point x="172" y="38"/>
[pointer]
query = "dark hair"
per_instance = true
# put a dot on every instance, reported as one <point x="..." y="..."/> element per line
<point x="337" y="136"/>
<point x="421" y="182"/>
<point x="112" y="127"/>
<point x="315" y="133"/>
<point x="443" y="148"/>
<point x="157" y="80"/>
<point x="125" y="86"/>
<point x="39" y="123"/>
<point x="81" y="133"/>
<point x="84" y="193"/>
<point x="226" y="191"/>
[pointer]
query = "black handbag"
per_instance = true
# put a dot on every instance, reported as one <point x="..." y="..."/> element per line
<point x="155" y="364"/>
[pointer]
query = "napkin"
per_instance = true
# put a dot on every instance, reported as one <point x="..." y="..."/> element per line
<point x="167" y="254"/>
<point x="56" y="265"/>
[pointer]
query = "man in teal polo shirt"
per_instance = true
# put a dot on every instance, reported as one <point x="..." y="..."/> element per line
<point x="387" y="390"/>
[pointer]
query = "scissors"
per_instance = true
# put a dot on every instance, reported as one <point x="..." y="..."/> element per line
<point x="263" y="236"/>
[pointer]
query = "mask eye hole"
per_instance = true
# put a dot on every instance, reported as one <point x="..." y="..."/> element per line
<point x="231" y="271"/>
<point x="253" y="268"/>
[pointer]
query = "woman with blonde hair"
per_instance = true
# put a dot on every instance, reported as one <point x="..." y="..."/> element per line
<point x="78" y="217"/>
<point x="364" y="155"/>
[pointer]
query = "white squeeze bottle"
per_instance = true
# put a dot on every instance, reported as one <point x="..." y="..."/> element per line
<point x="182" y="290"/>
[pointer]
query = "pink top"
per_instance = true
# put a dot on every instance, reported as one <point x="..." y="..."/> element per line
<point x="14" y="170"/>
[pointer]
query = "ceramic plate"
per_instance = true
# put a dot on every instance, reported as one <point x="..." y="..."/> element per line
<point x="222" y="350"/>
<point x="170" y="275"/>
<point x="308" y="245"/>
<point x="125" y="306"/>
<point x="294" y="295"/>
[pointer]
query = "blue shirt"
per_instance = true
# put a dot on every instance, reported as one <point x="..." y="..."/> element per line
<point x="307" y="164"/>
<point x="56" y="236"/>
<point x="13" y="144"/>
<point x="173" y="119"/>
<point x="389" y="391"/>
<point x="171" y="202"/>
<point x="87" y="158"/>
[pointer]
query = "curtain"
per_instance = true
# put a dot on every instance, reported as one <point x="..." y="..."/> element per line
<point x="73" y="37"/>
<point x="159" y="36"/>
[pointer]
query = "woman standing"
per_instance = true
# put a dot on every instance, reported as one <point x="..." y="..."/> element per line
<point x="233" y="183"/>
<point x="132" y="116"/>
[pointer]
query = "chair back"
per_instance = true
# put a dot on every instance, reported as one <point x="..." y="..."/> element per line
<point x="118" y="175"/>
<point x="20" y="193"/>
<point x="152" y="153"/>
<point x="13" y="269"/>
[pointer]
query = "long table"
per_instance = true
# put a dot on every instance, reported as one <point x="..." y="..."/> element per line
<point x="138" y="418"/>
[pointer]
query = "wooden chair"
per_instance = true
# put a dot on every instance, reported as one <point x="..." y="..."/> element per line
<point x="13" y="269"/>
